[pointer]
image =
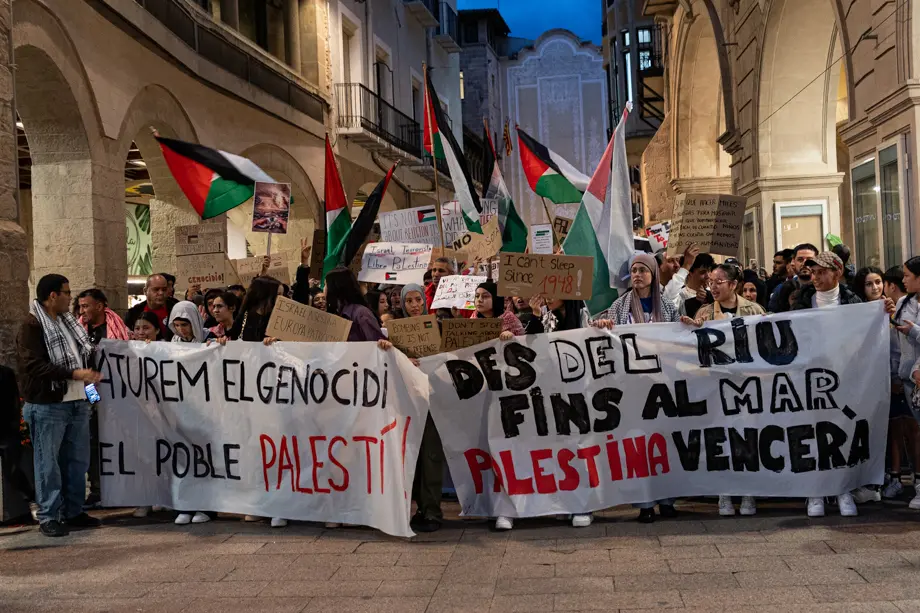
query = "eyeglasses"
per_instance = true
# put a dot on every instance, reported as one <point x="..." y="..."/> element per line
<point x="720" y="282"/>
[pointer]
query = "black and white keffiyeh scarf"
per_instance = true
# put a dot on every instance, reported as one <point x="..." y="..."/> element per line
<point x="57" y="345"/>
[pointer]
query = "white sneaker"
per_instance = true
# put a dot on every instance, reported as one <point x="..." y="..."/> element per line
<point x="504" y="523"/>
<point x="332" y="524"/>
<point x="278" y="522"/>
<point x="33" y="510"/>
<point x="748" y="505"/>
<point x="183" y="519"/>
<point x="816" y="507"/>
<point x="915" y="503"/>
<point x="140" y="512"/>
<point x="201" y="518"/>
<point x="893" y="489"/>
<point x="726" y="507"/>
<point x="863" y="495"/>
<point x="582" y="520"/>
<point x="847" y="505"/>
<point x="251" y="518"/>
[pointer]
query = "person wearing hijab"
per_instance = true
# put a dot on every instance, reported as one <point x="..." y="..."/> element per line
<point x="412" y="301"/>
<point x="187" y="327"/>
<point x="754" y="289"/>
<point x="489" y="305"/>
<point x="643" y="303"/>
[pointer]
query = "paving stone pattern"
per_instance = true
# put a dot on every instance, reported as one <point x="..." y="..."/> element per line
<point x="777" y="561"/>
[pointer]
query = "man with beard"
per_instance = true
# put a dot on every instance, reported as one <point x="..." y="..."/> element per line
<point x="780" y="300"/>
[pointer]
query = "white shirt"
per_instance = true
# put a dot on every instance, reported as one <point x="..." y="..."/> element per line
<point x="672" y="289"/>
<point x="828" y="298"/>
<point x="75" y="389"/>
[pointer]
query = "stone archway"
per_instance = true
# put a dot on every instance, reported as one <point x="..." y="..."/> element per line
<point x="77" y="220"/>
<point x="794" y="137"/>
<point x="155" y="107"/>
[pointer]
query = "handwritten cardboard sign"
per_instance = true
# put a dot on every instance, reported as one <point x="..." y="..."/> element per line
<point x="456" y="291"/>
<point x="462" y="333"/>
<point x="555" y="276"/>
<point x="399" y="263"/>
<point x="206" y="270"/>
<point x="249" y="268"/>
<point x="355" y="265"/>
<point x="197" y="239"/>
<point x="471" y="246"/>
<point x="292" y="321"/>
<point x="562" y="226"/>
<point x="712" y="221"/>
<point x="418" y="225"/>
<point x="417" y="337"/>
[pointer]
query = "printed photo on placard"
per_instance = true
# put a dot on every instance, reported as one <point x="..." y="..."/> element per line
<point x="271" y="208"/>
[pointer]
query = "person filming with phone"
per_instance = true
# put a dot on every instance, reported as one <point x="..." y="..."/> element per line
<point x="54" y="355"/>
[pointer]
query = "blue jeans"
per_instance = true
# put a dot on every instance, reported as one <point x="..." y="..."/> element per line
<point x="60" y="440"/>
<point x="651" y="505"/>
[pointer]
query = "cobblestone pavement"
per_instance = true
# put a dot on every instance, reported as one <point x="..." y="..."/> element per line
<point x="777" y="561"/>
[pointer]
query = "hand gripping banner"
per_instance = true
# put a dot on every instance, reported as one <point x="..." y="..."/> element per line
<point x="307" y="431"/>
<point x="794" y="404"/>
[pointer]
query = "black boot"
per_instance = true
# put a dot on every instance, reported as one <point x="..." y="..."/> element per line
<point x="667" y="510"/>
<point x="646" y="516"/>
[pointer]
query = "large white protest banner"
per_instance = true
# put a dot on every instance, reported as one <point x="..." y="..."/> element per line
<point x="586" y="419"/>
<point x="398" y="263"/>
<point x="306" y="431"/>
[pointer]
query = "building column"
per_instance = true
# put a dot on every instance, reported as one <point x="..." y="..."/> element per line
<point x="230" y="13"/>
<point x="14" y="254"/>
<point x="292" y="34"/>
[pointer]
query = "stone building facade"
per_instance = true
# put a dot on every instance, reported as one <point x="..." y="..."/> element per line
<point x="261" y="80"/>
<point x="805" y="107"/>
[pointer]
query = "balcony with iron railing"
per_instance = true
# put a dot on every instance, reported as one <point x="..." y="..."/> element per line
<point x="366" y="118"/>
<point x="425" y="11"/>
<point x="228" y="50"/>
<point x="448" y="31"/>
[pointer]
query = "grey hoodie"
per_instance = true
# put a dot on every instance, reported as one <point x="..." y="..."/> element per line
<point x="188" y="311"/>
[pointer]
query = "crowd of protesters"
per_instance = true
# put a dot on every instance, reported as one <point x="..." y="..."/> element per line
<point x="57" y="340"/>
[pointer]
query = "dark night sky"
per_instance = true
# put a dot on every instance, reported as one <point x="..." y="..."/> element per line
<point x="530" y="18"/>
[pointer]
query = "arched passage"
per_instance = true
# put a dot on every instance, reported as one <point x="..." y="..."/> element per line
<point x="155" y="107"/>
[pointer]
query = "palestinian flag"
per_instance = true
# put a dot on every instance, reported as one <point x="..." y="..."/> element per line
<point x="214" y="181"/>
<point x="602" y="228"/>
<point x="513" y="229"/>
<point x="427" y="214"/>
<point x="548" y="174"/>
<point x="345" y="250"/>
<point x="338" y="219"/>
<point x="441" y="144"/>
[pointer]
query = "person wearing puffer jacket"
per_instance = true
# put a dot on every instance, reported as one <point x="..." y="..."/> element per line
<point x="906" y="318"/>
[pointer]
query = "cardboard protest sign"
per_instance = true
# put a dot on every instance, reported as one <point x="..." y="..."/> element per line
<point x="712" y="221"/>
<point x="274" y="431"/>
<point x="417" y="337"/>
<point x="249" y="268"/>
<point x="418" y="225"/>
<point x="561" y="225"/>
<point x="271" y="207"/>
<point x="231" y="277"/>
<point x="541" y="238"/>
<point x="452" y="218"/>
<point x="355" y="265"/>
<point x="568" y="277"/>
<point x="209" y="237"/>
<point x="292" y="321"/>
<point x="398" y="263"/>
<point x="207" y="270"/>
<point x="461" y="332"/>
<point x="588" y="419"/>
<point x="472" y="245"/>
<point x="456" y="291"/>
<point x="318" y="253"/>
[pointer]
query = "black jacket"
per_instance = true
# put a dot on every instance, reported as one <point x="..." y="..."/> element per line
<point x="808" y="292"/>
<point x="10" y="407"/>
<point x="134" y="313"/>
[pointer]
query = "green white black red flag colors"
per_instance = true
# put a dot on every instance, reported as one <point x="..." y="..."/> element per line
<point x="441" y="144"/>
<point x="214" y="181"/>
<point x="602" y="227"/>
<point x="513" y="229"/>
<point x="548" y="173"/>
<point x="338" y="220"/>
<point x="344" y="251"/>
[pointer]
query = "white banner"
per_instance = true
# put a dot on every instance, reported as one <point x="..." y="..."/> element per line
<point x="305" y="431"/>
<point x="457" y="291"/>
<point x="398" y="263"/>
<point x="418" y="225"/>
<point x="784" y="405"/>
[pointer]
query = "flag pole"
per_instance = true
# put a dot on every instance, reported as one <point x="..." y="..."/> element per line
<point x="434" y="163"/>
<point x="268" y="251"/>
<point x="552" y="226"/>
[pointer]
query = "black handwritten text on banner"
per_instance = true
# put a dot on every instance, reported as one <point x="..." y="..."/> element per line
<point x="308" y="431"/>
<point x="583" y="420"/>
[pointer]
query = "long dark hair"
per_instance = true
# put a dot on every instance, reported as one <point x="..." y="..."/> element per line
<point x="373" y="302"/>
<point x="259" y="302"/>
<point x="859" y="281"/>
<point x="913" y="265"/>
<point x="342" y="289"/>
<point x="751" y="277"/>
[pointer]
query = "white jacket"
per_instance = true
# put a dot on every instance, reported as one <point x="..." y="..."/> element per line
<point x="909" y="360"/>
